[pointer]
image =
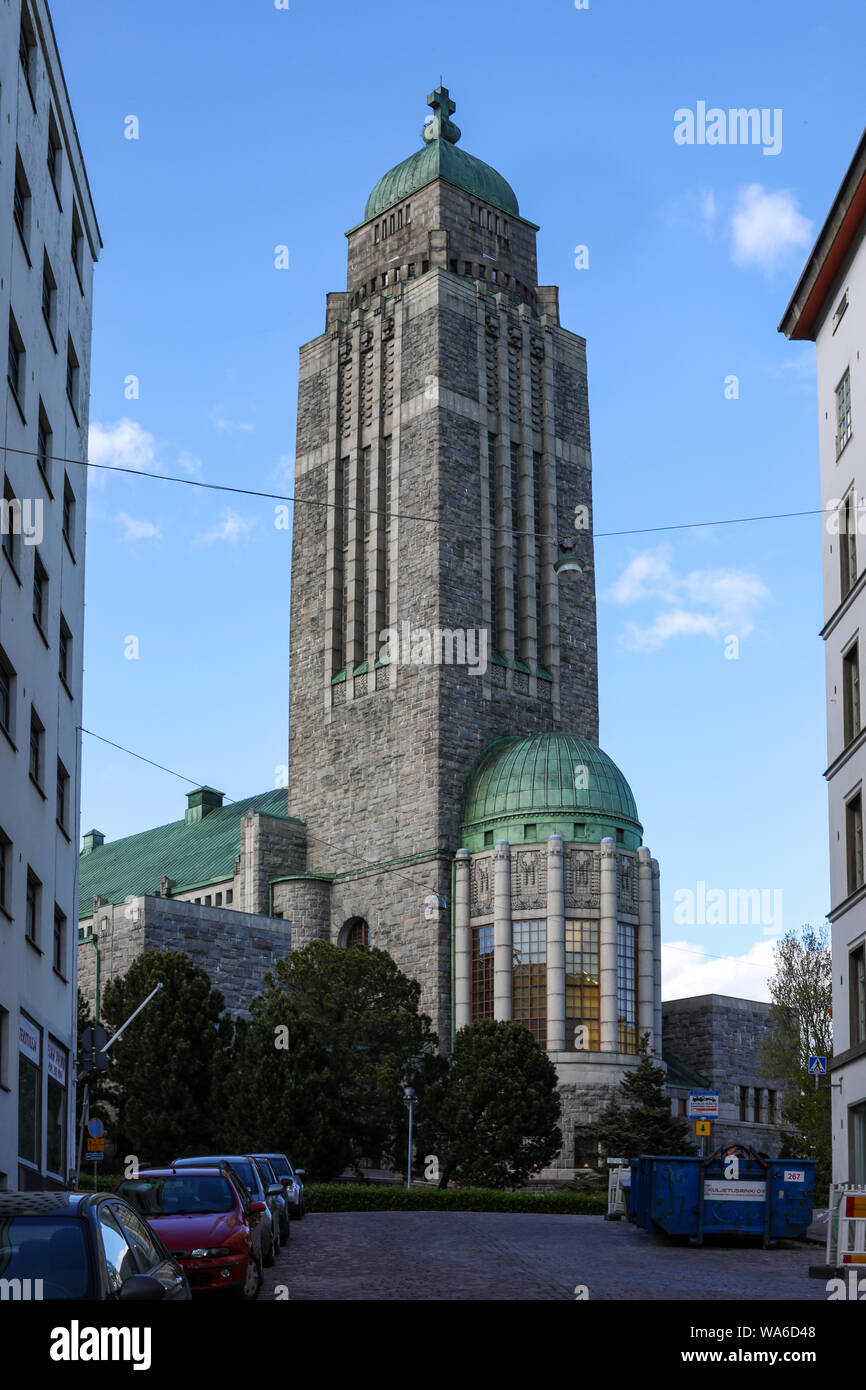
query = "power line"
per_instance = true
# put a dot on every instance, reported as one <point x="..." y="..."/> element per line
<point x="410" y="516"/>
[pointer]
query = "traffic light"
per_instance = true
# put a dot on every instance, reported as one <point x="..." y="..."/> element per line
<point x="93" y="1056"/>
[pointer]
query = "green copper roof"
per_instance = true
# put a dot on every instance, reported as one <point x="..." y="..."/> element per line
<point x="441" y="159"/>
<point x="526" y="789"/>
<point x="192" y="854"/>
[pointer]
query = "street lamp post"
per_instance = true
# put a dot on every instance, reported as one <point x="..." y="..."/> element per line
<point x="411" y="1100"/>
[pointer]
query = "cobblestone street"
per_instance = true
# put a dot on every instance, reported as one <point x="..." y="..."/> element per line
<point x="454" y="1255"/>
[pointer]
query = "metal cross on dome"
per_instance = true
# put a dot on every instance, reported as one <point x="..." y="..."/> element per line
<point x="441" y="128"/>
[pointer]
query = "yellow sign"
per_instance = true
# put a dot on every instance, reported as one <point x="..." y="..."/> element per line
<point x="95" y="1146"/>
<point x="703" y="1127"/>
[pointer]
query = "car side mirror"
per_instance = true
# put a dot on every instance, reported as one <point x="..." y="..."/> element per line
<point x="141" y="1288"/>
<point x="255" y="1208"/>
<point x="275" y="1190"/>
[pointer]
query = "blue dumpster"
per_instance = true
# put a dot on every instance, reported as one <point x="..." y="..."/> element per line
<point x="733" y="1192"/>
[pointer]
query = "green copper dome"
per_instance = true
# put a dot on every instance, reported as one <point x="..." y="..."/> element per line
<point x="527" y="789"/>
<point x="441" y="159"/>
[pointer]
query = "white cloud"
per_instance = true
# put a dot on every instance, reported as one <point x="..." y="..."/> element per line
<point x="232" y="528"/>
<point x="695" y="210"/>
<point x="221" y="422"/>
<point x="189" y="463"/>
<point x="124" y="444"/>
<point x="687" y="969"/>
<point x="767" y="227"/>
<point x="712" y="603"/>
<point x="135" y="529"/>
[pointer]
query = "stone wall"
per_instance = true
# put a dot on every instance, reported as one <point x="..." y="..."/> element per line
<point x="237" y="949"/>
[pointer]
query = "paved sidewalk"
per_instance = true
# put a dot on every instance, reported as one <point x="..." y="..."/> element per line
<point x="477" y="1256"/>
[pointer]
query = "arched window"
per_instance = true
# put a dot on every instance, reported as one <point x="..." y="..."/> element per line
<point x="356" y="933"/>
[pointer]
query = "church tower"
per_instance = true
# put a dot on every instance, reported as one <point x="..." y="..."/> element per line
<point x="438" y="619"/>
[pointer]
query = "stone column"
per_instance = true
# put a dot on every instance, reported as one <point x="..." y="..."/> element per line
<point x="750" y="1104"/>
<point x="503" y="936"/>
<point x="462" y="940"/>
<point x="762" y="1104"/>
<point x="556" y="1041"/>
<point x="657" y="958"/>
<point x="646" y="981"/>
<point x="607" y="948"/>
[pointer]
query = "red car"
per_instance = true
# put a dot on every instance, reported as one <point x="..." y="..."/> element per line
<point x="207" y="1220"/>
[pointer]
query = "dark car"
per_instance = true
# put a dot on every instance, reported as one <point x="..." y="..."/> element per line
<point x="206" y="1217"/>
<point x="90" y="1246"/>
<point x="251" y="1177"/>
<point x="291" y="1180"/>
<point x="277" y="1200"/>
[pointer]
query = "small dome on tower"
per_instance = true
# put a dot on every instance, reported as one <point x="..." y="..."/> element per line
<point x="441" y="159"/>
<point x="527" y="789"/>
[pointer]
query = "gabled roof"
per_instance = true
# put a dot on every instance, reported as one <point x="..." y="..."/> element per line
<point x="192" y="855"/>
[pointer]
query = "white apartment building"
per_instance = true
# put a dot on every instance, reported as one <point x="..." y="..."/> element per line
<point x="49" y="241"/>
<point x="829" y="308"/>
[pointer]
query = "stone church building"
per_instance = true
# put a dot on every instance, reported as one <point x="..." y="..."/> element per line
<point x="448" y="801"/>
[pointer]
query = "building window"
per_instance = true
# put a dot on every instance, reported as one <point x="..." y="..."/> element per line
<point x="40" y="594"/>
<point x="582" y="985"/>
<point x="384" y="228"/>
<point x="626" y="988"/>
<point x="26" y="46"/>
<point x="851" y="693"/>
<point x="218" y="900"/>
<point x="207" y="901"/>
<point x="682" y="1106"/>
<point x="68" y="514"/>
<point x="481" y="998"/>
<point x="771" y="1107"/>
<point x="529" y="977"/>
<point x="72" y="376"/>
<point x="64" y="651"/>
<point x="15" y="362"/>
<point x="230" y="895"/>
<point x="376" y="232"/>
<point x="848" y="543"/>
<point x="62" y="796"/>
<point x="30" y="1094"/>
<point x="391" y="226"/>
<point x="32" y="904"/>
<point x="37" y="737"/>
<point x="408" y="210"/>
<point x="744" y="1104"/>
<point x="54" y="153"/>
<point x="59" y="941"/>
<point x="55" y="1086"/>
<point x="49" y="295"/>
<point x="21" y="201"/>
<point x="7" y="695"/>
<point x="843" y="412"/>
<point x="854" y="842"/>
<point x="357" y="933"/>
<point x="76" y="245"/>
<point x="43" y="446"/>
<point x="857" y="1001"/>
<point x="5" y="872"/>
<point x="840" y="311"/>
<point x="10" y="524"/>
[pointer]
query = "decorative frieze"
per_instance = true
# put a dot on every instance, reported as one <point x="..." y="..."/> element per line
<point x="582" y="881"/>
<point x="528" y="879"/>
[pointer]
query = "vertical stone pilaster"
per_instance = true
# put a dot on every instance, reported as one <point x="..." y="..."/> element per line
<point x="556" y="1041"/>
<point x="607" y="947"/>
<point x="462" y="941"/>
<point x="657" y="958"/>
<point x="645" y="948"/>
<point x="763" y="1102"/>
<point x="503" y="935"/>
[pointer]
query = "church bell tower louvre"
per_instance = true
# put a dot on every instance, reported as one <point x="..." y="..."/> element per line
<point x="443" y="657"/>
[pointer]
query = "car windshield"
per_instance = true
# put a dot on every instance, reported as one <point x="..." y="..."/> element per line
<point x="45" y="1249"/>
<point x="281" y="1166"/>
<point x="246" y="1173"/>
<point x="181" y="1194"/>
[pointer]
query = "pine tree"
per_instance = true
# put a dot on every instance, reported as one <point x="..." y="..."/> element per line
<point x="645" y="1125"/>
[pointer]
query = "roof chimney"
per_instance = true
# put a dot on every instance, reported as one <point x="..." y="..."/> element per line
<point x="93" y="840"/>
<point x="201" y="802"/>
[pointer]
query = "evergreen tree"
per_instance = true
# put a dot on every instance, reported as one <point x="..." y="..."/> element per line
<point x="492" y="1117"/>
<point x="645" y="1124"/>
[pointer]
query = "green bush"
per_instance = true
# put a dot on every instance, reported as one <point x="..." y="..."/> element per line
<point x="380" y="1197"/>
<point x="105" y="1182"/>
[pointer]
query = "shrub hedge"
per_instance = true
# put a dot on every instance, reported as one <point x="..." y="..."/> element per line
<point x="353" y="1196"/>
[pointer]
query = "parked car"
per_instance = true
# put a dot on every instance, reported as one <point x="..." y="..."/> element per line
<point x="276" y="1193"/>
<point x="84" y="1246"/>
<point x="292" y="1180"/>
<point x="244" y="1167"/>
<point x="208" y="1220"/>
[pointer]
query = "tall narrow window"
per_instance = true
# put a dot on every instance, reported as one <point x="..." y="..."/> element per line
<point x="848" y="543"/>
<point x="64" y="652"/>
<point x="40" y="594"/>
<point x="581" y="986"/>
<point x="744" y="1103"/>
<point x="362" y="577"/>
<point x="59" y="955"/>
<point x="32" y="903"/>
<point x="482" y="972"/>
<point x="21" y="201"/>
<point x="492" y="505"/>
<point x="843" y="412"/>
<point x="626" y="988"/>
<point x="72" y="376"/>
<point x="15" y="361"/>
<point x="535" y="542"/>
<point x="857" y="998"/>
<point x="515" y="548"/>
<point x="43" y="446"/>
<point x="529" y="977"/>
<point x="54" y="153"/>
<point x="343" y="554"/>
<point x="385" y="506"/>
<point x="7" y="695"/>
<point x="76" y="245"/>
<point x="854" y="842"/>
<point x="62" y="796"/>
<point x="49" y="295"/>
<point x="10" y="524"/>
<point x="37" y="738"/>
<point x="5" y="870"/>
<point x="68" y="514"/>
<point x="851" y="692"/>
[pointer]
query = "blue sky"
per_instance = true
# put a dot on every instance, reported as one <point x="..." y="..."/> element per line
<point x="261" y="127"/>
